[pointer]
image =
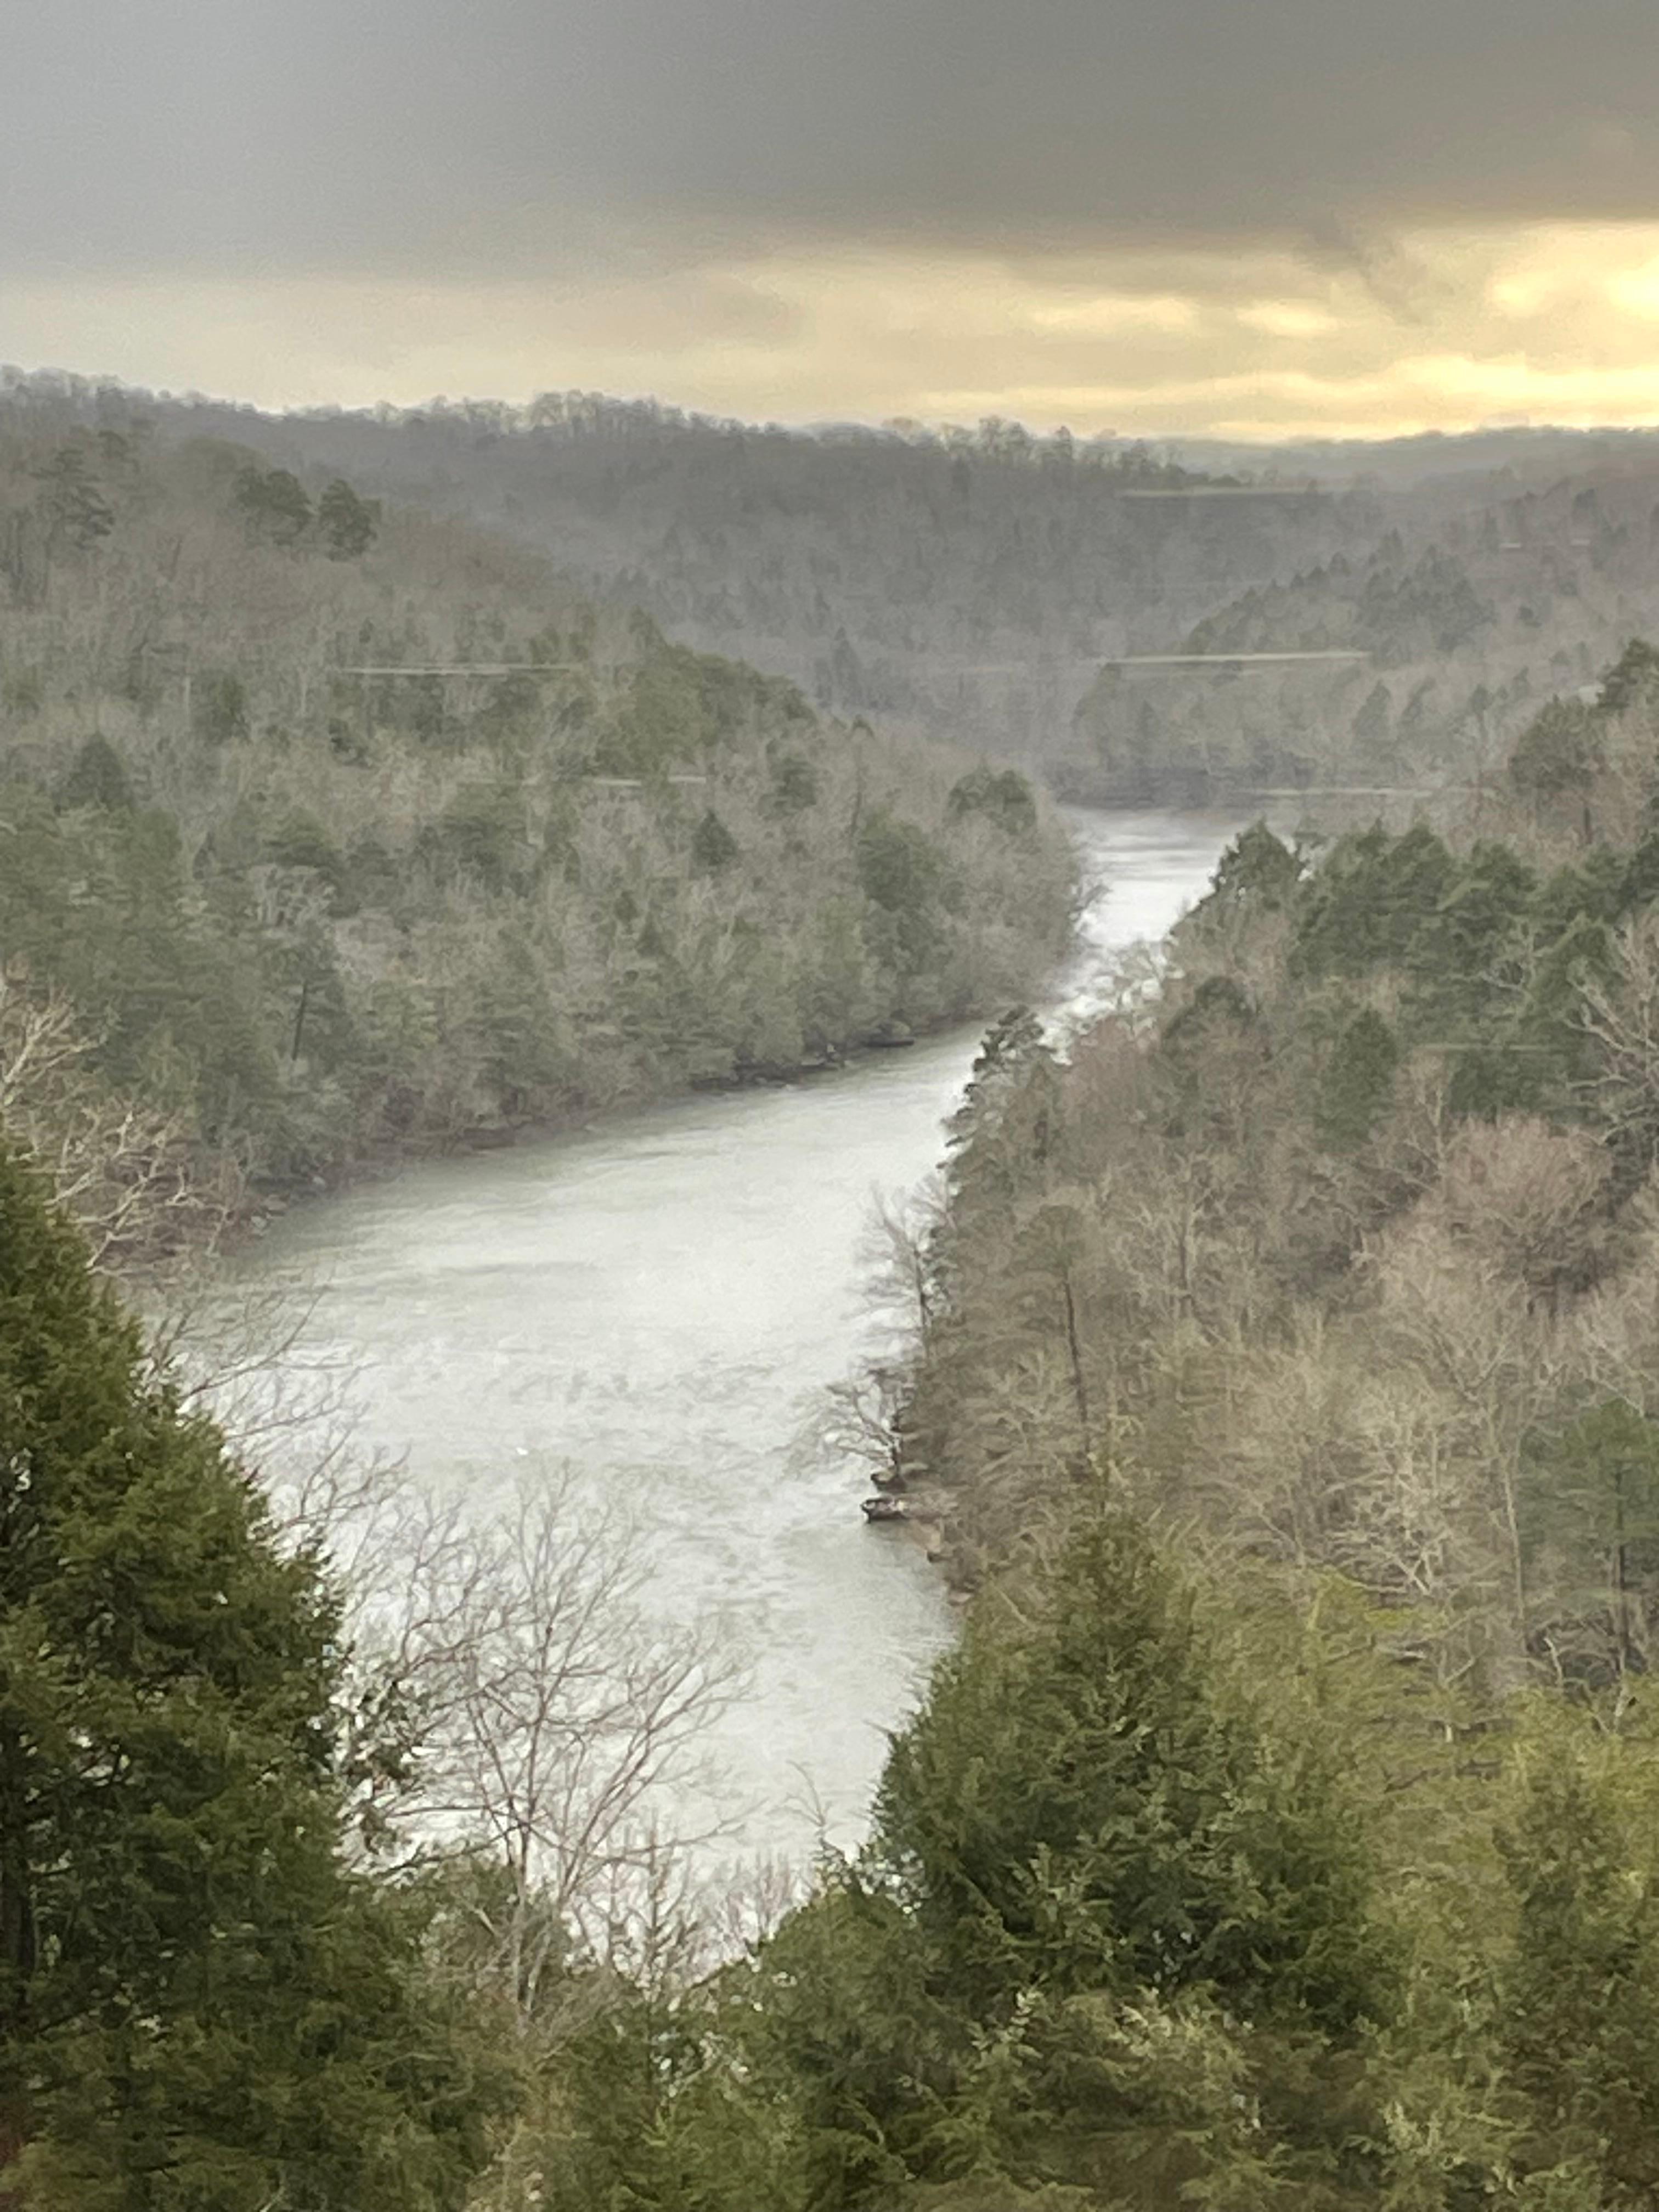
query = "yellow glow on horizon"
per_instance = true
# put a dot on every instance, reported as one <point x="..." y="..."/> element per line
<point x="1287" y="319"/>
<point x="1441" y="329"/>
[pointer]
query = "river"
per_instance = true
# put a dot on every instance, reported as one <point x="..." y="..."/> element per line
<point x="658" y="1300"/>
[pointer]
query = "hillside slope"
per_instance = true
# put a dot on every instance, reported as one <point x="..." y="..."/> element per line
<point x="324" y="902"/>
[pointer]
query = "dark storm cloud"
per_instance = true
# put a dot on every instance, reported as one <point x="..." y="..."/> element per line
<point x="516" y="135"/>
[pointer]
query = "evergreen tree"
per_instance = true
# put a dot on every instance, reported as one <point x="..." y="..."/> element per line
<point x="1356" y="1082"/>
<point x="1257" y="871"/>
<point x="1149" y="1922"/>
<point x="97" y="777"/>
<point x="200" y="2005"/>
<point x="348" y="524"/>
<point x="273" y="504"/>
<point x="72" y="499"/>
<point x="1077" y="1805"/>
<point x="713" y="846"/>
<point x="1579" y="2011"/>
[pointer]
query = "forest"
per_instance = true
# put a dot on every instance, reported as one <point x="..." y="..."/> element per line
<point x="982" y="585"/>
<point x="1272" y="1380"/>
<point x="330" y="832"/>
<point x="1276" y="1384"/>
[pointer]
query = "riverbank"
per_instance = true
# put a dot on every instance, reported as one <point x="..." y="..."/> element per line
<point x="659" y="1298"/>
<point x="362" y="888"/>
<point x="264" y="1207"/>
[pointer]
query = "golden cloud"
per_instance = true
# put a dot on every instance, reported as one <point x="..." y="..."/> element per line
<point x="1439" y="328"/>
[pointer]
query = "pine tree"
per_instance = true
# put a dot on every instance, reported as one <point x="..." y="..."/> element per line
<point x="1579" y="2010"/>
<point x="1149" y="1920"/>
<point x="1078" y="1805"/>
<point x="349" y="524"/>
<point x="274" y="505"/>
<point x="199" y="2004"/>
<point x="1356" y="1082"/>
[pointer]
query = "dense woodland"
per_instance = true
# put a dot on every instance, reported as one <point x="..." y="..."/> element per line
<point x="1275" y="1379"/>
<point x="307" y="905"/>
<point x="971" y="583"/>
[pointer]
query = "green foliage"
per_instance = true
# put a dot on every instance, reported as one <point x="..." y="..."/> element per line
<point x="1009" y="1101"/>
<point x="1593" y="1500"/>
<point x="219" y="707"/>
<point x="1633" y="679"/>
<point x="348" y="525"/>
<point x="1111" y="1945"/>
<point x="192" y="1985"/>
<point x="713" y="846"/>
<point x="1078" y="1808"/>
<point x="1004" y="798"/>
<point x="480" y="835"/>
<point x="1559" y="751"/>
<point x="901" y="874"/>
<point x="72" y="500"/>
<point x="1370" y="900"/>
<point x="899" y="867"/>
<point x="1356" y="1082"/>
<point x="794" y="784"/>
<point x="1371" y="724"/>
<point x="98" y="778"/>
<point x="273" y="504"/>
<point x="1579" y="1995"/>
<point x="1257" y="870"/>
<point x="97" y="902"/>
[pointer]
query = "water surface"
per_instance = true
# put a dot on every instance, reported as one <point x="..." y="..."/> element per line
<point x="658" y="1300"/>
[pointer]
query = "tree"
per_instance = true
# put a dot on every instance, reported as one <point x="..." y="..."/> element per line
<point x="1005" y="1127"/>
<point x="1004" y="799"/>
<point x="1578" y="2013"/>
<point x="1108" y="1934"/>
<point x="713" y="848"/>
<point x="348" y="524"/>
<point x="72" y="501"/>
<point x="1356" y="1081"/>
<point x="98" y="777"/>
<point x="199" y="2004"/>
<point x="1633" y="679"/>
<point x="1077" y="1807"/>
<point x="561" y="1725"/>
<point x="219" y="712"/>
<point x="1559" y="752"/>
<point x="1371" y="724"/>
<point x="1596" y="1503"/>
<point x="273" y="504"/>
<point x="1257" y="870"/>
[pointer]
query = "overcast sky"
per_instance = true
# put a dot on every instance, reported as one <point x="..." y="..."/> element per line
<point x="1247" y="216"/>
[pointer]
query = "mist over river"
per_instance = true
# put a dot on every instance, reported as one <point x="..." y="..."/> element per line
<point x="658" y="1300"/>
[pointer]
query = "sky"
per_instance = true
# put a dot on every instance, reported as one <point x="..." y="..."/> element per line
<point x="1245" y="218"/>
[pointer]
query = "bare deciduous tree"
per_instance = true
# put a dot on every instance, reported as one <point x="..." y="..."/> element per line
<point x="562" y="1717"/>
<point x="1620" y="1017"/>
<point x="128" y="1173"/>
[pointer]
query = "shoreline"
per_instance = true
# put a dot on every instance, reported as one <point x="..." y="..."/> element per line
<point x="251" y="1222"/>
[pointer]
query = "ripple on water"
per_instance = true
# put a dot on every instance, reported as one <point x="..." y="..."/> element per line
<point x="655" y="1301"/>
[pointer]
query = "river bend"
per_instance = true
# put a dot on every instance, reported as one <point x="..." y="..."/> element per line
<point x="657" y="1301"/>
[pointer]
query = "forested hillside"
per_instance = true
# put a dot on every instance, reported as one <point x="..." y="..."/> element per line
<point x="1282" y="1378"/>
<point x="329" y="830"/>
<point x="972" y="583"/>
<point x="1480" y="601"/>
<point x="1277" y="1385"/>
<point x="967" y="583"/>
